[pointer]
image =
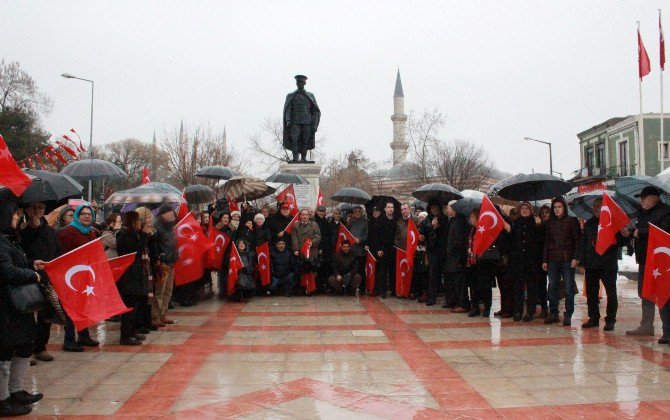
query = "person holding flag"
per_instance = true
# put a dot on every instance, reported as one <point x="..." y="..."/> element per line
<point x="358" y="227"/>
<point x="223" y="226"/>
<point x="656" y="213"/>
<point x="402" y="239"/>
<point x="346" y="277"/>
<point x="303" y="231"/>
<point x="280" y="221"/>
<point x="17" y="329"/>
<point x="164" y="254"/>
<point x="282" y="269"/>
<point x="601" y="264"/>
<point x="559" y="259"/>
<point x="456" y="290"/>
<point x="143" y="309"/>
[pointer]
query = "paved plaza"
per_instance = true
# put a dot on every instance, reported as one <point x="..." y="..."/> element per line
<point x="339" y="357"/>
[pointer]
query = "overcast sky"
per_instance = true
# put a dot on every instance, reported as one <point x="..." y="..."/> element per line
<point x="499" y="70"/>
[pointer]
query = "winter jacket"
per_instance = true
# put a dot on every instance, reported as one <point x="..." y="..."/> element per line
<point x="659" y="216"/>
<point x="525" y="247"/>
<point x="400" y="234"/>
<point x="281" y="263"/>
<point x="381" y="236"/>
<point x="278" y="223"/>
<point x="457" y="244"/>
<point x="163" y="244"/>
<point x="359" y="228"/>
<point x="70" y="238"/>
<point x="587" y="255"/>
<point x="262" y="235"/>
<point x="302" y="231"/>
<point x="109" y="242"/>
<point x="132" y="282"/>
<point x="344" y="264"/>
<point x="324" y="227"/>
<point x="435" y="237"/>
<point x="16" y="328"/>
<point x="40" y="243"/>
<point x="561" y="239"/>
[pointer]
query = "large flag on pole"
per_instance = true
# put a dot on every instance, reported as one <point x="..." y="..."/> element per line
<point x="11" y="175"/>
<point x="656" y="285"/>
<point x="662" y="42"/>
<point x="612" y="220"/>
<point x="84" y="283"/>
<point x="644" y="65"/>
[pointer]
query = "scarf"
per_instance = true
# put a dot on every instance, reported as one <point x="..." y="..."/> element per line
<point x="75" y="220"/>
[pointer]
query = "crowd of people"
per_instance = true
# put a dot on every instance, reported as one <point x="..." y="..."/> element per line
<point x="533" y="263"/>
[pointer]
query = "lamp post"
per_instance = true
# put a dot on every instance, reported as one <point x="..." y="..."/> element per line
<point x="551" y="160"/>
<point x="90" y="134"/>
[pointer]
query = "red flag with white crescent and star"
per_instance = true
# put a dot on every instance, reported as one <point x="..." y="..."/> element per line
<point x="656" y="284"/>
<point x="370" y="271"/>
<point x="662" y="42"/>
<point x="319" y="199"/>
<point x="11" y="175"/>
<point x="412" y="241"/>
<point x="342" y="235"/>
<point x="233" y="269"/>
<point x="84" y="283"/>
<point x="120" y="264"/>
<point x="287" y="195"/>
<point x="292" y="223"/>
<point x="232" y="204"/>
<point x="403" y="273"/>
<point x="263" y="253"/>
<point x="612" y="220"/>
<point x="644" y="65"/>
<point x="307" y="280"/>
<point x="221" y="242"/>
<point x="193" y="246"/>
<point x="145" y="175"/>
<point x="487" y="231"/>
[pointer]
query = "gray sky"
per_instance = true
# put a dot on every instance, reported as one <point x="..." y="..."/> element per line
<point x="499" y="70"/>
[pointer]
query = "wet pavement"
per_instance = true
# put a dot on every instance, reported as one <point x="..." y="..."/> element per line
<point x="342" y="357"/>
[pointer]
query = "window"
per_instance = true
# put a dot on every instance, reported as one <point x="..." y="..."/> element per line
<point x="663" y="150"/>
<point x="623" y="158"/>
<point x="600" y="158"/>
<point x="589" y="159"/>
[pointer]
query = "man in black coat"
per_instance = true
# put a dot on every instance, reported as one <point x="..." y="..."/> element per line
<point x="433" y="230"/>
<point x="456" y="294"/>
<point x="325" y="247"/>
<point x="599" y="268"/>
<point x="278" y="222"/>
<point x="658" y="214"/>
<point x="381" y="246"/>
<point x="282" y="268"/>
<point x="38" y="240"/>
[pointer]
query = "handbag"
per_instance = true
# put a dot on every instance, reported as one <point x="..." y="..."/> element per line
<point x="245" y="282"/>
<point x="27" y="298"/>
<point x="491" y="255"/>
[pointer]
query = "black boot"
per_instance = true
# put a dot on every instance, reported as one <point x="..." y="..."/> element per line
<point x="474" y="312"/>
<point x="552" y="318"/>
<point x="303" y="156"/>
<point x="295" y="157"/>
<point x="9" y="409"/>
<point x="24" y="398"/>
<point x="592" y="322"/>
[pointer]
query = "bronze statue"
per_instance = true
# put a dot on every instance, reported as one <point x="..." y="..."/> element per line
<point x="301" y="120"/>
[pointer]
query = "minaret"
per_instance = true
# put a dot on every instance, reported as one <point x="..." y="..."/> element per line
<point x="153" y="153"/>
<point x="399" y="145"/>
<point x="225" y="140"/>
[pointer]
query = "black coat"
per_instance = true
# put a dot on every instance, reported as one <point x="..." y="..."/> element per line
<point x="436" y="238"/>
<point x="457" y="244"/>
<point x="381" y="236"/>
<point x="659" y="216"/>
<point x="40" y="243"/>
<point x="278" y="223"/>
<point x="325" y="245"/>
<point x="525" y="245"/>
<point x="586" y="253"/>
<point x="163" y="245"/>
<point x="132" y="282"/>
<point x="262" y="235"/>
<point x="16" y="328"/>
<point x="281" y="263"/>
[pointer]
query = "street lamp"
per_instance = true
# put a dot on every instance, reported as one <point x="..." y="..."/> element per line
<point x="90" y="138"/>
<point x="551" y="161"/>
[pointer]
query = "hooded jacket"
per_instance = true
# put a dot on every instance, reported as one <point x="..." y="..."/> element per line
<point x="562" y="236"/>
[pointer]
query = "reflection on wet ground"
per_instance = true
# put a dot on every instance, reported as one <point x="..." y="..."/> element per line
<point x="327" y="357"/>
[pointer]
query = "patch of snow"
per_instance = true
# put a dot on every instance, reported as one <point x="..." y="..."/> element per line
<point x="628" y="264"/>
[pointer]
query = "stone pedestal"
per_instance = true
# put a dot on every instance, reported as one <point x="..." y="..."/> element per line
<point x="306" y="195"/>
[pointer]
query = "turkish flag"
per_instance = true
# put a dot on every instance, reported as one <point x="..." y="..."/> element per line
<point x="193" y="247"/>
<point x="487" y="231"/>
<point x="119" y="265"/>
<point x="81" y="146"/>
<point x="644" y="65"/>
<point x="288" y="196"/>
<point x="57" y="154"/>
<point x="412" y="241"/>
<point x="233" y="269"/>
<point x="319" y="199"/>
<point x="11" y="175"/>
<point x="182" y="211"/>
<point x="307" y="280"/>
<point x="656" y="285"/>
<point x="292" y="223"/>
<point x="84" y="283"/>
<point x="403" y="273"/>
<point x="263" y="253"/>
<point x="306" y="248"/>
<point x="40" y="161"/>
<point x="342" y="235"/>
<point x="221" y="241"/>
<point x="72" y="141"/>
<point x="67" y="149"/>
<point x="612" y="220"/>
<point x="46" y="154"/>
<point x="662" y="42"/>
<point x="145" y="175"/>
<point x="232" y="204"/>
<point x="370" y="271"/>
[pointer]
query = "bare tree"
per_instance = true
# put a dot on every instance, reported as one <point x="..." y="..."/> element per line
<point x="133" y="156"/>
<point x="462" y="164"/>
<point x="18" y="91"/>
<point x="188" y="150"/>
<point x="423" y="136"/>
<point x="349" y="170"/>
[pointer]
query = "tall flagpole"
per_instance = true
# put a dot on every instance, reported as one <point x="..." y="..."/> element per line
<point x="662" y="64"/>
<point x="638" y="170"/>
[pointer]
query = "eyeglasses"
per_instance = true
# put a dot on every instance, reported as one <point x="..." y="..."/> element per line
<point x="86" y="214"/>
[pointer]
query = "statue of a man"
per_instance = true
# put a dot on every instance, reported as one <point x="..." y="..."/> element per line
<point x="301" y="119"/>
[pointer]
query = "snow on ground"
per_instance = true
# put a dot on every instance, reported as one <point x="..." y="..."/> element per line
<point x="628" y="264"/>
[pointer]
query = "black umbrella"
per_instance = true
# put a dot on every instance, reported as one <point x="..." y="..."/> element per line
<point x="629" y="186"/>
<point x="532" y="187"/>
<point x="216" y="172"/>
<point x="198" y="194"/>
<point x="380" y="202"/>
<point x="280" y="178"/>
<point x="465" y="206"/>
<point x="442" y="193"/>
<point x="50" y="187"/>
<point x="493" y="189"/>
<point x="418" y="204"/>
<point x="345" y="207"/>
<point x="92" y="169"/>
<point x="582" y="204"/>
<point x="351" y="195"/>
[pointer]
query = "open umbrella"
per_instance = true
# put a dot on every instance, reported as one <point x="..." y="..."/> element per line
<point x="161" y="186"/>
<point x="345" y="207"/>
<point x="442" y="193"/>
<point x="199" y="194"/>
<point x="582" y="204"/>
<point x="380" y="202"/>
<point x="216" y="172"/>
<point x="92" y="169"/>
<point x="531" y="187"/>
<point x="351" y="195"/>
<point x="418" y="204"/>
<point x="629" y="186"/>
<point x="50" y="187"/>
<point x="246" y="188"/>
<point x="280" y="178"/>
<point x="493" y="189"/>
<point x="467" y="205"/>
<point x="144" y="195"/>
